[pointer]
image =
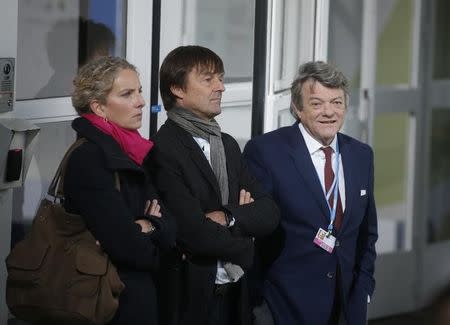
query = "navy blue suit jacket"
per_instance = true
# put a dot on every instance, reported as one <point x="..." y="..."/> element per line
<point x="299" y="283"/>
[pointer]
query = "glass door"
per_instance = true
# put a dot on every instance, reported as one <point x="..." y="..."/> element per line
<point x="436" y="209"/>
<point x="376" y="43"/>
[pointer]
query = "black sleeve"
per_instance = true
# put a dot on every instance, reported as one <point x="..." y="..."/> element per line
<point x="165" y="233"/>
<point x="90" y="191"/>
<point x="196" y="234"/>
<point x="261" y="217"/>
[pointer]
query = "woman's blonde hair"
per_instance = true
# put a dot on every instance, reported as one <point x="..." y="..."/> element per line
<point x="95" y="80"/>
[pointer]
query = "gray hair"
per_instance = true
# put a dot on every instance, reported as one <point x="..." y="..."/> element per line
<point x="317" y="71"/>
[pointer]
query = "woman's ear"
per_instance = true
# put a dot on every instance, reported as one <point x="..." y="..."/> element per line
<point x="97" y="108"/>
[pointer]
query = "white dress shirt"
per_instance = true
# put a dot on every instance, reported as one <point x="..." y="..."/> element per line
<point x="318" y="159"/>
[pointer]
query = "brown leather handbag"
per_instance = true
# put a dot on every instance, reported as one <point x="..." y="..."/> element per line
<point x="58" y="274"/>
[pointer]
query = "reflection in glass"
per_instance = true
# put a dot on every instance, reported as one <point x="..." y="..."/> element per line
<point x="391" y="143"/>
<point x="56" y="37"/>
<point x="441" y="63"/>
<point x="439" y="177"/>
<point x="227" y="28"/>
<point x="43" y="166"/>
<point x="394" y="41"/>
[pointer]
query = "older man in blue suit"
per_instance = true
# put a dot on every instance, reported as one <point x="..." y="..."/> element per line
<point x="318" y="267"/>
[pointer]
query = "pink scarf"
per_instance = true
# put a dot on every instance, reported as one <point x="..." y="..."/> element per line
<point x="131" y="142"/>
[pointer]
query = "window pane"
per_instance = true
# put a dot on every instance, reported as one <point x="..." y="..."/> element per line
<point x="227" y="28"/>
<point x="394" y="43"/>
<point x="391" y="143"/>
<point x="236" y="121"/>
<point x="441" y="64"/>
<point x="439" y="176"/>
<point x="287" y="24"/>
<point x="56" y="37"/>
<point x="292" y="39"/>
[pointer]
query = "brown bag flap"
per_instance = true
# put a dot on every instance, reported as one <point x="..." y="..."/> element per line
<point x="90" y="260"/>
<point x="27" y="255"/>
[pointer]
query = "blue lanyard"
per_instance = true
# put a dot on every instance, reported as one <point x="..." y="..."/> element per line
<point x="334" y="188"/>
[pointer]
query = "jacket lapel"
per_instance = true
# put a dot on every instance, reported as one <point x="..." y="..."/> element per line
<point x="197" y="155"/>
<point x="351" y="190"/>
<point x="303" y="163"/>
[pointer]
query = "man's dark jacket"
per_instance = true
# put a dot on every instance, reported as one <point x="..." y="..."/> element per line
<point x="189" y="189"/>
<point x="300" y="282"/>
<point x="90" y="191"/>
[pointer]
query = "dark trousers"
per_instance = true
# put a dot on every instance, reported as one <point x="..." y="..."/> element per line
<point x="222" y="309"/>
<point x="262" y="315"/>
<point x="337" y="314"/>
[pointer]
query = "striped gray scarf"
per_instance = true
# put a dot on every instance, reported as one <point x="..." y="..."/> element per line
<point x="210" y="131"/>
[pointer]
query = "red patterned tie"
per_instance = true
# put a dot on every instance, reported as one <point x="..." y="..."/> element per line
<point x="329" y="178"/>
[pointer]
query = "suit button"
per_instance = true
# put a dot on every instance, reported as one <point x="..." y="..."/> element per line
<point x="338" y="243"/>
<point x="330" y="275"/>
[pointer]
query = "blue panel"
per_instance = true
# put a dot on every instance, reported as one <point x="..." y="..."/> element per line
<point x="104" y="12"/>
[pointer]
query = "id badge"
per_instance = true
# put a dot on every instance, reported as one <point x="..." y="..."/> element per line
<point x="324" y="241"/>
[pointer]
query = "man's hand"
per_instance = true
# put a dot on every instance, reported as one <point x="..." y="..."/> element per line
<point x="245" y="197"/>
<point x="152" y="208"/>
<point x="217" y="217"/>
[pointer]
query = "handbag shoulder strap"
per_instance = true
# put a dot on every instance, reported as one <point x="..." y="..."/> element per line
<point x="56" y="186"/>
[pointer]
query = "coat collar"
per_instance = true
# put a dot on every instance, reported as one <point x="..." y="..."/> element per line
<point x="116" y="159"/>
<point x="196" y="154"/>
<point x="302" y="161"/>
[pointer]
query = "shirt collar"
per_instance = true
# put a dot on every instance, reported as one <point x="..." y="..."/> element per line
<point x="312" y="144"/>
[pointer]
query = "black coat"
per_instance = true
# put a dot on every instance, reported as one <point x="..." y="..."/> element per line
<point x="189" y="189"/>
<point x="90" y="191"/>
